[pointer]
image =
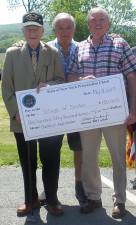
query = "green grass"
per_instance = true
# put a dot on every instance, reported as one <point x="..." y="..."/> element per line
<point x="8" y="152"/>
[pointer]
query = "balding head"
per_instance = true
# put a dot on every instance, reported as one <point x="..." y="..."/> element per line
<point x="98" y="22"/>
<point x="98" y="10"/>
<point x="64" y="27"/>
<point x="63" y="17"/>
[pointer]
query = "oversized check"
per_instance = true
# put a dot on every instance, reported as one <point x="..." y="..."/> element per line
<point x="75" y="106"/>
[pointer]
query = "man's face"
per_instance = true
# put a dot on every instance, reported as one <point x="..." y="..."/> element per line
<point x="33" y="35"/>
<point x="98" y="24"/>
<point x="64" y="31"/>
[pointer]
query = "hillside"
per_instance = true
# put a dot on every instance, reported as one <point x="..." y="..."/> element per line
<point x="10" y="28"/>
<point x="11" y="33"/>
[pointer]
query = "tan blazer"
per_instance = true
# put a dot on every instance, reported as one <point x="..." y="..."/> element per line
<point x="18" y="75"/>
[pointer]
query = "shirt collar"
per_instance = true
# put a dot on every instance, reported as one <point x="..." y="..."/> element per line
<point x="105" y="37"/>
<point x="71" y="43"/>
<point x="31" y="49"/>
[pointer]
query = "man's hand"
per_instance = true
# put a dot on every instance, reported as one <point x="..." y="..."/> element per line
<point x="18" y="44"/>
<point x="17" y="118"/>
<point x="115" y="35"/>
<point x="72" y="78"/>
<point x="87" y="77"/>
<point x="40" y="85"/>
<point x="131" y="119"/>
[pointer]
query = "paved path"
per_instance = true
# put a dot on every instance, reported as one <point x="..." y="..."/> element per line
<point x="11" y="195"/>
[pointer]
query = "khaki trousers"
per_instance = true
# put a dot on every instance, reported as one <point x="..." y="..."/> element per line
<point x="115" y="137"/>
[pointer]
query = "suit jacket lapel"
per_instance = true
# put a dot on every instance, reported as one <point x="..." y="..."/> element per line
<point x="43" y="62"/>
<point x="27" y="60"/>
<point x="42" y="65"/>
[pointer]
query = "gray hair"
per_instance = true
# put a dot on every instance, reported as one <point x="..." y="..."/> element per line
<point x="98" y="9"/>
<point x="62" y="16"/>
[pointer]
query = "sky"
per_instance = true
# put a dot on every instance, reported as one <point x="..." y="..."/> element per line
<point x="8" y="16"/>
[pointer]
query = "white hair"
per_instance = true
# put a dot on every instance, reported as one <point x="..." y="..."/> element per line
<point x="98" y="9"/>
<point x="62" y="16"/>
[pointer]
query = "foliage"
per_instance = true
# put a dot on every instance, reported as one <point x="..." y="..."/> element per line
<point x="11" y="33"/>
<point x="128" y="33"/>
<point x="8" y="41"/>
<point x="120" y="12"/>
<point x="78" y="9"/>
<point x="2" y="57"/>
<point x="30" y="5"/>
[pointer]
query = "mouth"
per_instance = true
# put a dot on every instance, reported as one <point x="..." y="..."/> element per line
<point x="99" y="28"/>
<point x="33" y="38"/>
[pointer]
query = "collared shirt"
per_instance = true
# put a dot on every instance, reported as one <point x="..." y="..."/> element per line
<point x="111" y="56"/>
<point x="37" y="51"/>
<point x="65" y="60"/>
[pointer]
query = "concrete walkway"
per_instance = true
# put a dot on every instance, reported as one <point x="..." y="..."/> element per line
<point x="11" y="195"/>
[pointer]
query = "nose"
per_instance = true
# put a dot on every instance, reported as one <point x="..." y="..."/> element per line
<point x="98" y="22"/>
<point x="65" y="31"/>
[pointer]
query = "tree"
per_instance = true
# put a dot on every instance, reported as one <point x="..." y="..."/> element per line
<point x="120" y="11"/>
<point x="29" y="5"/>
<point x="49" y="8"/>
<point x="78" y="9"/>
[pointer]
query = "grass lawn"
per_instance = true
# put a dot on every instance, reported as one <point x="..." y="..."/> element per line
<point x="8" y="152"/>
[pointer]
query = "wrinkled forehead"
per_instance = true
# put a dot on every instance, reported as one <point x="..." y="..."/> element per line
<point x="98" y="14"/>
<point x="65" y="21"/>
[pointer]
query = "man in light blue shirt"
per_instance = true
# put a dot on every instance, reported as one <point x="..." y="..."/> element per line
<point x="64" y="28"/>
<point x="66" y="59"/>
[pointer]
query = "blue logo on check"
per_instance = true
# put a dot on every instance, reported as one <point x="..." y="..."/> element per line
<point x="29" y="101"/>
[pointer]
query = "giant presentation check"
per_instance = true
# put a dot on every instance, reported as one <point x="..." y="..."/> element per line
<point x="71" y="107"/>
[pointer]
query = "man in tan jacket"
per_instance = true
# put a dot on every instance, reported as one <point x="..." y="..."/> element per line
<point x="21" y="72"/>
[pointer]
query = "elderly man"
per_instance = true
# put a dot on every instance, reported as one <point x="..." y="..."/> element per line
<point x="101" y="55"/>
<point x="25" y="68"/>
<point x="64" y="28"/>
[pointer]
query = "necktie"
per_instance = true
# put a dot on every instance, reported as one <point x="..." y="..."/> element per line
<point x="34" y="60"/>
